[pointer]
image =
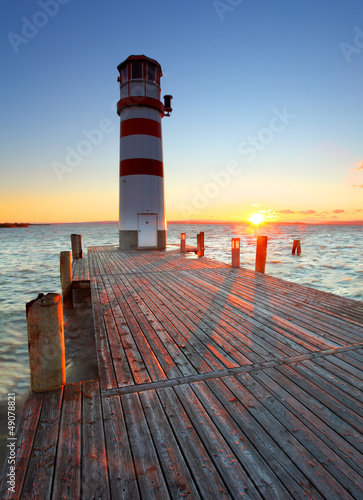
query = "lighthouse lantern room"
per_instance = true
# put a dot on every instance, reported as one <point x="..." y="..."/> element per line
<point x="142" y="213"/>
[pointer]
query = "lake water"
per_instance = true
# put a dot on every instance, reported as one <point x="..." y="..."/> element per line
<point x="331" y="260"/>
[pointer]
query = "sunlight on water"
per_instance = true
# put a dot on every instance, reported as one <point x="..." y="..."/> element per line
<point x="330" y="261"/>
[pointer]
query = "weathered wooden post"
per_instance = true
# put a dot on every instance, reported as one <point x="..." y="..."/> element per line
<point x="202" y="243"/>
<point x="66" y="279"/>
<point x="76" y="241"/>
<point x="296" y="247"/>
<point x="261" y="253"/>
<point x="46" y="342"/>
<point x="182" y="242"/>
<point x="236" y="252"/>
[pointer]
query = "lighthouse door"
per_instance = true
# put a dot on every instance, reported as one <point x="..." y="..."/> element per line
<point x="147" y="230"/>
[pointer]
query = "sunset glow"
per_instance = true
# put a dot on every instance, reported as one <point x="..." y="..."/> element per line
<point x="257" y="218"/>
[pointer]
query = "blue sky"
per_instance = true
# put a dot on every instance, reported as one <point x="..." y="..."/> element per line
<point x="233" y="68"/>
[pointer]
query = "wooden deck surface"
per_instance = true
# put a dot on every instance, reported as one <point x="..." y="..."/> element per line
<point x="214" y="383"/>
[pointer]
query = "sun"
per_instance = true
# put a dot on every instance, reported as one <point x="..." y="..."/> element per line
<point x="257" y="218"/>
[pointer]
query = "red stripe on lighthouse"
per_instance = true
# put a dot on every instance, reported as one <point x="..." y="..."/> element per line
<point x="141" y="166"/>
<point x="143" y="126"/>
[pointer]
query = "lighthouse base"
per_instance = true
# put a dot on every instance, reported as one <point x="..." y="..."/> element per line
<point x="128" y="240"/>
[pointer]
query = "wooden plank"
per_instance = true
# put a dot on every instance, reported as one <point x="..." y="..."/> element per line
<point x="115" y="335"/>
<point x="260" y="325"/>
<point x="121" y="470"/>
<point x="67" y="476"/>
<point x="105" y="364"/>
<point x="207" y="479"/>
<point x="265" y="343"/>
<point x="169" y="349"/>
<point x="140" y="331"/>
<point x="94" y="461"/>
<point x="258" y="307"/>
<point x="340" y="437"/>
<point x="191" y="348"/>
<point x="214" y="350"/>
<point x="354" y="420"/>
<point x="257" y="469"/>
<point x="127" y="332"/>
<point x="289" y="474"/>
<point x="236" y="479"/>
<point x="176" y="472"/>
<point x="25" y="431"/>
<point x="286" y="429"/>
<point x="39" y="477"/>
<point x="148" y="470"/>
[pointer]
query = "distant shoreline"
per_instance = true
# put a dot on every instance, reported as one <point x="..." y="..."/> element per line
<point x="5" y="225"/>
<point x="279" y="223"/>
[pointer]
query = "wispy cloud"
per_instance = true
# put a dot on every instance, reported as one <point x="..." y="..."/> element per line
<point x="286" y="211"/>
<point x="308" y="212"/>
<point x="338" y="211"/>
<point x="358" y="166"/>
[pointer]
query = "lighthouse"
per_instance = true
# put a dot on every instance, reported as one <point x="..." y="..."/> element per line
<point x="142" y="208"/>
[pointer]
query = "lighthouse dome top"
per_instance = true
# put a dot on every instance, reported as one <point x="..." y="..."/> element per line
<point x="139" y="58"/>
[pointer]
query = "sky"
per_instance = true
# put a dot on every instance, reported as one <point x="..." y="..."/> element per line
<point x="267" y="107"/>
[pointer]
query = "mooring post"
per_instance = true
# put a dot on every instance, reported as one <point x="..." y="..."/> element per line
<point x="261" y="253"/>
<point x="182" y="242"/>
<point x="202" y="244"/>
<point x="76" y="241"/>
<point x="236" y="252"/>
<point x="66" y="279"/>
<point x="296" y="247"/>
<point x="46" y="342"/>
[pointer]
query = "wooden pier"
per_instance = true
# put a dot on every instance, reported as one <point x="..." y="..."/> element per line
<point x="214" y="383"/>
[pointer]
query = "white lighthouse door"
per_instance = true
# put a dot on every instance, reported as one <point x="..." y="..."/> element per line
<point x="147" y="230"/>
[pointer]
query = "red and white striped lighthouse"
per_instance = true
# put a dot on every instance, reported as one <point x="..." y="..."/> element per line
<point x="142" y="212"/>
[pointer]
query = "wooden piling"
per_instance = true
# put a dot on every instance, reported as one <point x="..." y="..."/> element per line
<point x="236" y="252"/>
<point x="76" y="241"/>
<point x="261" y="253"/>
<point x="202" y="243"/>
<point x="296" y="247"/>
<point x="46" y="342"/>
<point x="182" y="242"/>
<point x="66" y="279"/>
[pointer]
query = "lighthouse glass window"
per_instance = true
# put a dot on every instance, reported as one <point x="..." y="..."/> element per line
<point x="151" y="73"/>
<point x="124" y="74"/>
<point x="136" y="70"/>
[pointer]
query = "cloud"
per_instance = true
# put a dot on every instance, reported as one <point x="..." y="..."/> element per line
<point x="286" y="211"/>
<point x="307" y="212"/>
<point x="359" y="166"/>
<point x="359" y="210"/>
<point x="338" y="211"/>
